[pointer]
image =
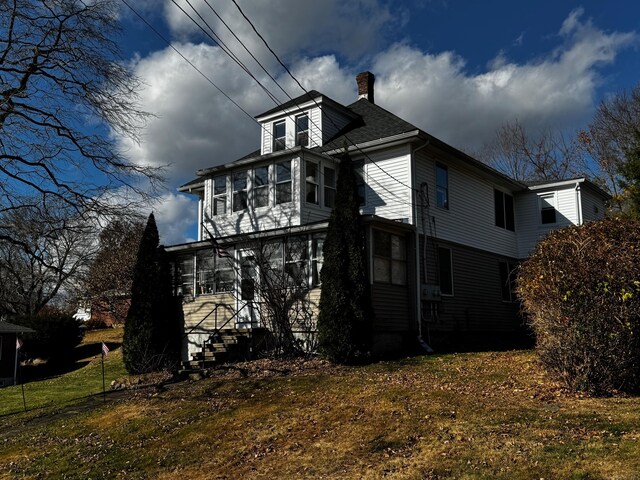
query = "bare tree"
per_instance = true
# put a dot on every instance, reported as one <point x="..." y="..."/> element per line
<point x="111" y="273"/>
<point x="282" y="292"/>
<point x="55" y="249"/>
<point x="612" y="137"/>
<point x="64" y="92"/>
<point x="525" y="157"/>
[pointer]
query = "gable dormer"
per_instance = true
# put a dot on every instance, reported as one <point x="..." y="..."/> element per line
<point x="309" y="121"/>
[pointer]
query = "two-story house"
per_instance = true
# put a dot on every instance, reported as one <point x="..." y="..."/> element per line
<point x="443" y="230"/>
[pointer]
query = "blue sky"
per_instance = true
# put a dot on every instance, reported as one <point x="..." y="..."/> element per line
<point x="458" y="70"/>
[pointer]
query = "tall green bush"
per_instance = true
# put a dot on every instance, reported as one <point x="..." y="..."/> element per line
<point x="151" y="332"/>
<point x="56" y="335"/>
<point x="344" y="320"/>
<point x="581" y="291"/>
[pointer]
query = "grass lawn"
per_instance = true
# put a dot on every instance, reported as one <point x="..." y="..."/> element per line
<point x="85" y="377"/>
<point x="481" y="415"/>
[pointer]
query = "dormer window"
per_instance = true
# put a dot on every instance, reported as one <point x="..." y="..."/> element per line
<point x="279" y="136"/>
<point x="239" y="191"/>
<point x="302" y="130"/>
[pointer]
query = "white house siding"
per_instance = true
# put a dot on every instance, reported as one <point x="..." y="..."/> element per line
<point x="253" y="220"/>
<point x="529" y="227"/>
<point x="593" y="205"/>
<point x="198" y="310"/>
<point x="470" y="219"/>
<point x="387" y="175"/>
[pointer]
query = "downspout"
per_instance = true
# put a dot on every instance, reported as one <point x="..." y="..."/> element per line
<point x="578" y="203"/>
<point x="418" y="301"/>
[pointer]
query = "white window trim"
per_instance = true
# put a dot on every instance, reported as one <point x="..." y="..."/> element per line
<point x="553" y="195"/>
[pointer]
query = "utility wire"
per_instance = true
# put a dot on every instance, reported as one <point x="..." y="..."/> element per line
<point x="314" y="101"/>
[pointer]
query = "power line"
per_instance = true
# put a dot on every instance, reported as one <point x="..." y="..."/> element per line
<point x="314" y="101"/>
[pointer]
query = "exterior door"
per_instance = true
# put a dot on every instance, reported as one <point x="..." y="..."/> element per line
<point x="246" y="290"/>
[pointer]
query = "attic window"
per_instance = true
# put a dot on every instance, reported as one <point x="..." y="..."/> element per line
<point x="279" y="136"/>
<point x="302" y="130"/>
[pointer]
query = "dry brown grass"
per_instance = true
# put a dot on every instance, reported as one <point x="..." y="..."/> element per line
<point x="486" y="415"/>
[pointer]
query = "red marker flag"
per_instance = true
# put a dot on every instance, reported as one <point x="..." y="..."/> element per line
<point x="18" y="344"/>
<point x="105" y="349"/>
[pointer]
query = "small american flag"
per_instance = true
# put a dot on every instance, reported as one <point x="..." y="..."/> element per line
<point x="105" y="349"/>
<point x="18" y="344"/>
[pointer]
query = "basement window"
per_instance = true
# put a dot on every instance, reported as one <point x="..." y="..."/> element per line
<point x="508" y="281"/>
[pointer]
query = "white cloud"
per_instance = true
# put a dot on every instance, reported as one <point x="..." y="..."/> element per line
<point x="196" y="127"/>
<point x="434" y="91"/>
<point x="176" y="217"/>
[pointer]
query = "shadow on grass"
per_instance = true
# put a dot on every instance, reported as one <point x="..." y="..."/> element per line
<point x="80" y="358"/>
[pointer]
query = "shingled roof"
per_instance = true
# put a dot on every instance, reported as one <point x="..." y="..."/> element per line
<point x="6" y="327"/>
<point x="373" y="123"/>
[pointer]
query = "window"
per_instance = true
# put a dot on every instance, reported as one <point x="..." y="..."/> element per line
<point x="508" y="281"/>
<point x="295" y="261"/>
<point x="283" y="182"/>
<point x="504" y="213"/>
<point x="312" y="182"/>
<point x="329" y="187"/>
<point x="220" y="195"/>
<point x="205" y="261"/>
<point x="358" y="169"/>
<point x="445" y="270"/>
<point x="302" y="130"/>
<point x="317" y="258"/>
<point x="224" y="272"/>
<point x="548" y="208"/>
<point x="279" y="136"/>
<point x="261" y="187"/>
<point x="184" y="275"/>
<point x="239" y="191"/>
<point x="442" y="186"/>
<point x="389" y="258"/>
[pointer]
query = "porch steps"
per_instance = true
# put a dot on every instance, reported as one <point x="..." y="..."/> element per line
<point x="228" y="345"/>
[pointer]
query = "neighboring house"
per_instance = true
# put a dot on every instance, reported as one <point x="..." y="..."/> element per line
<point x="443" y="230"/>
<point x="8" y="352"/>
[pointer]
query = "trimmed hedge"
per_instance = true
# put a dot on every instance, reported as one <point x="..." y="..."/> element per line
<point x="581" y="291"/>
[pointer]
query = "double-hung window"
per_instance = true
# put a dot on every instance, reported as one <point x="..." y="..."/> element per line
<point x="504" y="213"/>
<point x="442" y="186"/>
<point x="547" y="208"/>
<point x="329" y="187"/>
<point x="283" y="182"/>
<point x="279" y="136"/>
<point x="205" y="264"/>
<point x="220" y="195"/>
<point x="224" y="272"/>
<point x="184" y="275"/>
<point x="389" y="258"/>
<point x="261" y="187"/>
<point x="302" y="130"/>
<point x="239" y="191"/>
<point x="296" y="260"/>
<point x="312" y="182"/>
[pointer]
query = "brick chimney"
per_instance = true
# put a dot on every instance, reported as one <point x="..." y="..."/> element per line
<point x="365" y="85"/>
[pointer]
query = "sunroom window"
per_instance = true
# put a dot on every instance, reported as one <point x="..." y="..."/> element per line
<point x="389" y="258"/>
